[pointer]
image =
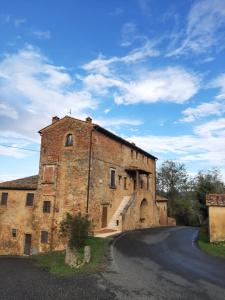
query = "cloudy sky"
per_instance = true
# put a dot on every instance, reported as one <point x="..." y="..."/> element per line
<point x="152" y="71"/>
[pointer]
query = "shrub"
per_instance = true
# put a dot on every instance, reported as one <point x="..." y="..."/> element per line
<point x="76" y="229"/>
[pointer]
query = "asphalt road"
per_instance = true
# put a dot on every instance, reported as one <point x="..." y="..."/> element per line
<point x="21" y="279"/>
<point x="164" y="263"/>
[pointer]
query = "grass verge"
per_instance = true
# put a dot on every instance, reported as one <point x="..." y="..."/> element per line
<point x="216" y="249"/>
<point x="54" y="261"/>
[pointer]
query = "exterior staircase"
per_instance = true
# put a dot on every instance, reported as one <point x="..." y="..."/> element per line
<point x="115" y="222"/>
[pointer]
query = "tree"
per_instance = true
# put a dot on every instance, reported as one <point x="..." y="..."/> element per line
<point x="76" y="229"/>
<point x="172" y="182"/>
<point x="187" y="196"/>
<point x="207" y="182"/>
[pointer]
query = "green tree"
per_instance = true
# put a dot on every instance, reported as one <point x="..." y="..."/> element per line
<point x="173" y="183"/>
<point x="76" y="229"/>
<point x="207" y="182"/>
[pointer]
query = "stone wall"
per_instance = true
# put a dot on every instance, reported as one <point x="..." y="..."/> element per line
<point x="15" y="215"/>
<point x="63" y="177"/>
<point x="106" y="154"/>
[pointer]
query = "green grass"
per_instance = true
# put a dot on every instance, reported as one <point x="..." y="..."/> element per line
<point x="216" y="249"/>
<point x="54" y="261"/>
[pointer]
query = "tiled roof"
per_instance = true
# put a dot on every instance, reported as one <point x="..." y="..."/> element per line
<point x="27" y="183"/>
<point x="215" y="200"/>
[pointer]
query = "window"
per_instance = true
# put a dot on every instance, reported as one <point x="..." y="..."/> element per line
<point x="119" y="178"/>
<point x="44" y="237"/>
<point x="132" y="153"/>
<point x="49" y="172"/>
<point x="113" y="178"/>
<point x="46" y="206"/>
<point x="69" y="140"/>
<point x="125" y="183"/>
<point x="14" y="232"/>
<point x="4" y="198"/>
<point x="30" y="199"/>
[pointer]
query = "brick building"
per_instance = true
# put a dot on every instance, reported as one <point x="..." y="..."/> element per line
<point x="83" y="168"/>
<point x="216" y="208"/>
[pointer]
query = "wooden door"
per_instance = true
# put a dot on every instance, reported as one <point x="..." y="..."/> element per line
<point x="104" y="216"/>
<point x="27" y="243"/>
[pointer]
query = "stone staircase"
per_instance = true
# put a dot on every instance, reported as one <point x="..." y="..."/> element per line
<point x="115" y="222"/>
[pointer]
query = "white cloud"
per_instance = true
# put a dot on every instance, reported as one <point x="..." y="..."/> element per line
<point x="204" y="22"/>
<point x="37" y="90"/>
<point x="129" y="34"/>
<point x="216" y="107"/>
<point x="172" y="84"/>
<point x="8" y="111"/>
<point x="219" y="82"/>
<point x="13" y="152"/>
<point x="100" y="84"/>
<point x="206" y="145"/>
<point x="107" y="110"/>
<point x="117" y="122"/>
<point x="215" y="127"/>
<point x="205" y="109"/>
<point x="102" y="65"/>
<point x="42" y="35"/>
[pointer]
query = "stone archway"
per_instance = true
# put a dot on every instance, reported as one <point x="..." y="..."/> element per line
<point x="144" y="211"/>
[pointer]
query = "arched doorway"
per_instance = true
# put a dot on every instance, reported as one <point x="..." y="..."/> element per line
<point x="144" y="211"/>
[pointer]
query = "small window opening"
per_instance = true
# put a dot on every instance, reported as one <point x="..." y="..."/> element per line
<point x="132" y="153"/>
<point x="69" y="140"/>
<point x="112" y="178"/>
<point x="44" y="237"/>
<point x="30" y="199"/>
<point x="46" y="206"/>
<point x="119" y="179"/>
<point x="14" y="232"/>
<point x="4" y="199"/>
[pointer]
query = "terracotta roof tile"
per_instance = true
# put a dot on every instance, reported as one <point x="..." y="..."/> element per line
<point x="215" y="200"/>
<point x="27" y="183"/>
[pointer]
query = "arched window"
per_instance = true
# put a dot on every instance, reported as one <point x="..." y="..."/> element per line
<point x="69" y="140"/>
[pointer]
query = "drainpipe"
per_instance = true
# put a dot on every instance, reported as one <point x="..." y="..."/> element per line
<point x="89" y="171"/>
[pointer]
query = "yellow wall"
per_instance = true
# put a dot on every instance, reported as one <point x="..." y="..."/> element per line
<point x="217" y="223"/>
<point x="15" y="215"/>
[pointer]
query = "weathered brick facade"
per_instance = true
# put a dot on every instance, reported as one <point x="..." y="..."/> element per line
<point x="83" y="168"/>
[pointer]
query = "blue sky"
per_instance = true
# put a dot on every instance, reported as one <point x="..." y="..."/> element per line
<point x="150" y="71"/>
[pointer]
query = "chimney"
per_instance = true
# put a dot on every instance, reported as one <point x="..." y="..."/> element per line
<point x="89" y="120"/>
<point x="55" y="119"/>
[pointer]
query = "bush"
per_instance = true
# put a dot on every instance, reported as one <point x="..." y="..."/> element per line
<point x="76" y="229"/>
